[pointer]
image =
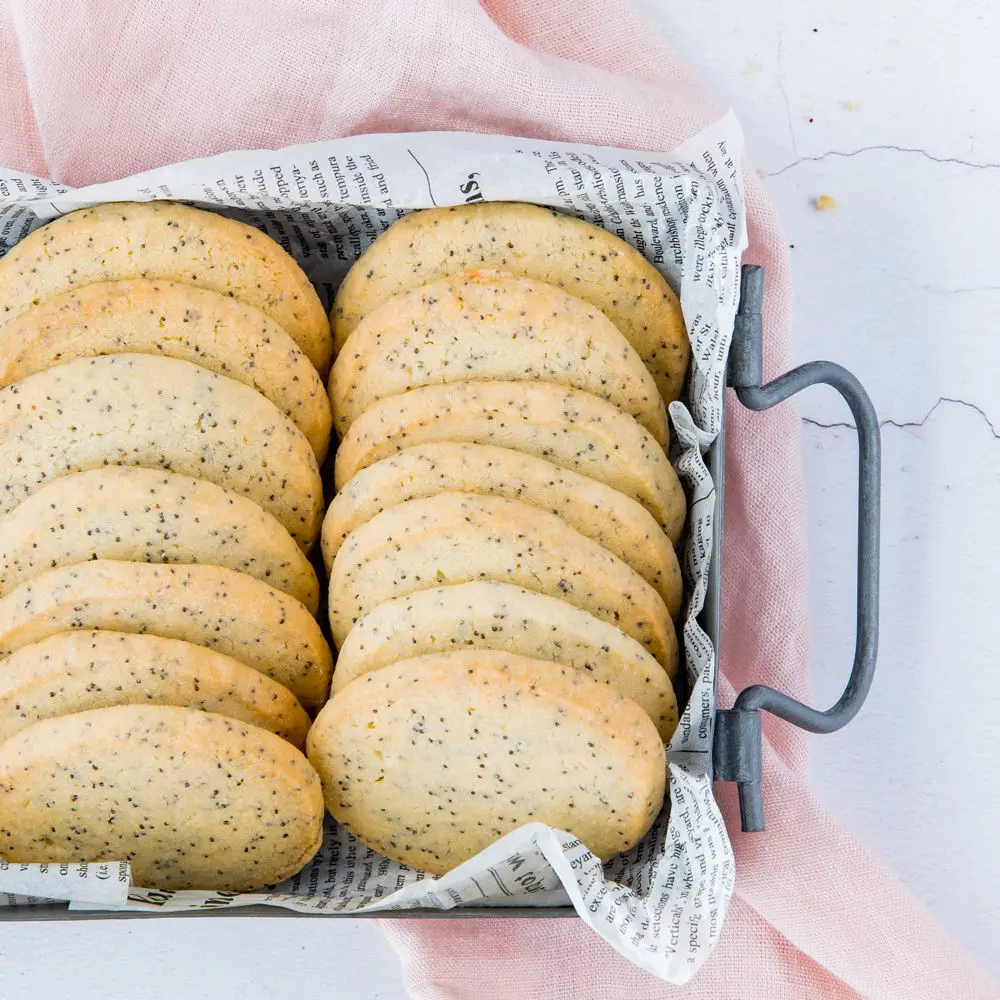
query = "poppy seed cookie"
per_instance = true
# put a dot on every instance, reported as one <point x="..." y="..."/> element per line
<point x="565" y="426"/>
<point x="161" y="413"/>
<point x="193" y="800"/>
<point x="460" y="537"/>
<point x="166" y="241"/>
<point x="531" y="242"/>
<point x="144" y="515"/>
<point x="209" y="606"/>
<point x="77" y="671"/>
<point x="172" y="320"/>
<point x="502" y="617"/>
<point x="484" y="327"/>
<point x="432" y="759"/>
<point x="622" y="525"/>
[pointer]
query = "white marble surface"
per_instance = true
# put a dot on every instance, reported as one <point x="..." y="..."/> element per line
<point x="890" y="108"/>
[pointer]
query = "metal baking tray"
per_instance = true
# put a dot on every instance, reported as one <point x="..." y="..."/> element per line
<point x="736" y="731"/>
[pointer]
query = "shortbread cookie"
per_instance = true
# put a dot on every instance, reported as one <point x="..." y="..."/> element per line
<point x="145" y="515"/>
<point x="622" y="525"/>
<point x="193" y="800"/>
<point x="460" y="537"/>
<point x="530" y="242"/>
<point x="476" y="326"/>
<point x="568" y="427"/>
<point x="161" y="413"/>
<point x="77" y="671"/>
<point x="166" y="318"/>
<point x="432" y="759"/>
<point x="500" y="616"/>
<point x="209" y="606"/>
<point x="170" y="242"/>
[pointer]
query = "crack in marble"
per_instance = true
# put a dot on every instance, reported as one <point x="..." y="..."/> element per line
<point x="967" y="290"/>
<point x="943" y="290"/>
<point x="888" y="422"/>
<point x="781" y="82"/>
<point x="848" y="154"/>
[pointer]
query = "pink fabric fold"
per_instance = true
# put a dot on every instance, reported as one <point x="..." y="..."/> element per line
<point x="94" y="90"/>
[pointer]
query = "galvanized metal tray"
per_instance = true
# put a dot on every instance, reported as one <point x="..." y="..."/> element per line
<point x="737" y="731"/>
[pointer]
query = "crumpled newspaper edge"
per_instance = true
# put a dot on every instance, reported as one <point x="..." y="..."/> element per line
<point x="607" y="898"/>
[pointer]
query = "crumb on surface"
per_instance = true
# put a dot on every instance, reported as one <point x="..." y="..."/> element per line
<point x="825" y="203"/>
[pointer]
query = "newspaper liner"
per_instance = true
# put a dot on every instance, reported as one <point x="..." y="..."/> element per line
<point x="661" y="905"/>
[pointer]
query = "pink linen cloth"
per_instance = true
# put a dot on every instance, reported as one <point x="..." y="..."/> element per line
<point x="92" y="90"/>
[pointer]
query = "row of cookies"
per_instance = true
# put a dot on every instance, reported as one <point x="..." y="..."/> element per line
<point x="162" y="421"/>
<point x="503" y="579"/>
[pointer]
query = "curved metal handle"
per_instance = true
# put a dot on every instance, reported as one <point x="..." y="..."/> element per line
<point x="738" y="731"/>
